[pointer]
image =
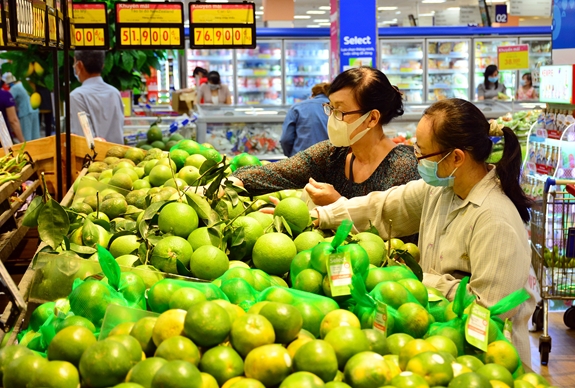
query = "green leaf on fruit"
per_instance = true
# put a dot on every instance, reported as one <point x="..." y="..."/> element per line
<point x="53" y="223"/>
<point x="81" y="249"/>
<point x="143" y="253"/>
<point x="152" y="210"/>
<point x="222" y="210"/>
<point x="31" y="216"/>
<point x="182" y="270"/>
<point x="232" y="196"/>
<point x="372" y="229"/>
<point x="103" y="223"/>
<point x="238" y="236"/>
<point x="199" y="204"/>
<point x="110" y="267"/>
<point x="409" y="261"/>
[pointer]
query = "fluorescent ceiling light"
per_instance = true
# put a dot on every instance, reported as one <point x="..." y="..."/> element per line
<point x="314" y="12"/>
<point x="259" y="12"/>
<point x="325" y="7"/>
<point x="261" y="7"/>
<point x="302" y="17"/>
<point x="325" y="24"/>
<point x="398" y="12"/>
<point x="433" y="1"/>
<point x="453" y="8"/>
<point x="321" y="20"/>
<point x="389" y="21"/>
<point x="257" y="17"/>
<point x="386" y="8"/>
<point x="427" y="14"/>
<point x="313" y="25"/>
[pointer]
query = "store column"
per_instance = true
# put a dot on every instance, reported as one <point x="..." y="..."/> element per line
<point x="353" y="34"/>
<point x="563" y="32"/>
<point x="278" y="13"/>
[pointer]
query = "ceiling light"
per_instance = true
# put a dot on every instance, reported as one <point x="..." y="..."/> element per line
<point x="257" y="17"/>
<point x="313" y="25"/>
<point x="321" y="20"/>
<point x="427" y="14"/>
<point x="261" y="7"/>
<point x="521" y="19"/>
<point x="325" y="7"/>
<point x="314" y="12"/>
<point x="453" y="8"/>
<point x="302" y="17"/>
<point x="386" y="8"/>
<point x="325" y="24"/>
<point x="433" y="1"/>
<point x="259" y="12"/>
<point x="398" y="12"/>
<point x="389" y="21"/>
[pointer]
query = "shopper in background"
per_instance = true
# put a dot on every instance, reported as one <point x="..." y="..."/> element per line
<point x="491" y="87"/>
<point x="46" y="110"/>
<point x="305" y="123"/>
<point x="357" y="159"/>
<point x="214" y="92"/>
<point x="200" y="75"/>
<point x="29" y="118"/>
<point x="8" y="109"/>
<point x="470" y="215"/>
<point x="526" y="91"/>
<point x="102" y="102"/>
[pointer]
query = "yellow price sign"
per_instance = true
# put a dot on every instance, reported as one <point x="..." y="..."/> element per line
<point x="149" y="13"/>
<point x="89" y="26"/>
<point x="513" y="57"/>
<point x="90" y="13"/>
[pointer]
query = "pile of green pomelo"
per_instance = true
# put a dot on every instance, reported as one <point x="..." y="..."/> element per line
<point x="210" y="292"/>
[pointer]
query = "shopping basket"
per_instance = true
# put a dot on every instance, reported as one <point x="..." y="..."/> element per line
<point x="553" y="248"/>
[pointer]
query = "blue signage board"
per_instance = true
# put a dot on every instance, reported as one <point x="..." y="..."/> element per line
<point x="357" y="34"/>
<point x="501" y="13"/>
<point x="563" y="32"/>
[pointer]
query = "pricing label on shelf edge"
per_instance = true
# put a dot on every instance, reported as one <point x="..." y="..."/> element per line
<point x="513" y="57"/>
<point x="150" y="25"/>
<point x="90" y="26"/>
<point x="222" y="25"/>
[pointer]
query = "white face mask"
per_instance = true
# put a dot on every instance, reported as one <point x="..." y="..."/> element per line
<point x="339" y="132"/>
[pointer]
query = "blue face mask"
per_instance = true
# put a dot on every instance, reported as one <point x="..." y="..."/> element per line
<point x="493" y="79"/>
<point x="523" y="82"/>
<point x="428" y="171"/>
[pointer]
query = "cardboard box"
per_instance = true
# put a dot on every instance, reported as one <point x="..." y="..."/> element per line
<point x="183" y="101"/>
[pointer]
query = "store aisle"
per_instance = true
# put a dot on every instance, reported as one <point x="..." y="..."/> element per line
<point x="562" y="357"/>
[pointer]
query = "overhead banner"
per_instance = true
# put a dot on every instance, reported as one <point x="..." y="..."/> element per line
<point x="513" y="57"/>
<point x="356" y="41"/>
<point x="149" y="25"/>
<point x="90" y="30"/>
<point x="222" y="25"/>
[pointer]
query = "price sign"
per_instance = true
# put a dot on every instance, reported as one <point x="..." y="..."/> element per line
<point x="3" y="25"/>
<point x="145" y="25"/>
<point x="222" y="25"/>
<point x="25" y="22"/>
<point x="90" y="28"/>
<point x="52" y="26"/>
<point x="513" y="57"/>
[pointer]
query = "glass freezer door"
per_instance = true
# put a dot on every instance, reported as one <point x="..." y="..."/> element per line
<point x="539" y="55"/>
<point x="221" y="61"/>
<point x="307" y="64"/>
<point x="259" y="74"/>
<point x="447" y="69"/>
<point x="402" y="63"/>
<point x="485" y="55"/>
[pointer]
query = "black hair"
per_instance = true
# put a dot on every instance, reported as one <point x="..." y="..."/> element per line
<point x="214" y="77"/>
<point x="199" y="70"/>
<point x="459" y="124"/>
<point x="93" y="61"/>
<point x="372" y="91"/>
<point x="529" y="78"/>
<point x="489" y="71"/>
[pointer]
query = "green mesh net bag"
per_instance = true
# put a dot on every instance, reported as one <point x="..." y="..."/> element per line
<point x="168" y="293"/>
<point x="257" y="279"/>
<point x="116" y="315"/>
<point x="240" y="292"/>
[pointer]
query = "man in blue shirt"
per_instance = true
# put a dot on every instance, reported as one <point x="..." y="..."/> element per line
<point x="102" y="102"/>
<point x="305" y="123"/>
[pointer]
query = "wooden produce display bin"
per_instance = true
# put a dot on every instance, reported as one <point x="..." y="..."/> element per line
<point x="43" y="153"/>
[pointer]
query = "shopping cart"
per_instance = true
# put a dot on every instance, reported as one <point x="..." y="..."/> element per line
<point x="553" y="258"/>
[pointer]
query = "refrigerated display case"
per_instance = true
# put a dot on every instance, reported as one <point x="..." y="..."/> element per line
<point x="447" y="69"/>
<point x="168" y="79"/>
<point x="402" y="62"/>
<point x="306" y="64"/>
<point x="485" y="55"/>
<point x="221" y="61"/>
<point x="234" y="129"/>
<point x="259" y="74"/>
<point x="539" y="55"/>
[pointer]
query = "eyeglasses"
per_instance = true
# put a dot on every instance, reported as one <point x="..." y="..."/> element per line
<point x="339" y="115"/>
<point x="419" y="156"/>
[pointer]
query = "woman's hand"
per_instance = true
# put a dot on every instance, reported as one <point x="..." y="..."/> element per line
<point x="270" y="210"/>
<point x="321" y="194"/>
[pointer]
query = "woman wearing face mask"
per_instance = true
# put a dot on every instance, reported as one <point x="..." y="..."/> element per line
<point x="526" y="91"/>
<point x="491" y="87"/>
<point x="214" y="92"/>
<point x="470" y="215"/>
<point x="357" y="159"/>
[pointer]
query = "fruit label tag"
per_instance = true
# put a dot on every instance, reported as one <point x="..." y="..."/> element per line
<point x="477" y="326"/>
<point x="5" y="137"/>
<point x="380" y="317"/>
<point x="85" y="124"/>
<point x="508" y="329"/>
<point x="340" y="273"/>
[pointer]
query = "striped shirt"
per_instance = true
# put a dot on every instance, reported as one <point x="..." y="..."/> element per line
<point x="482" y="236"/>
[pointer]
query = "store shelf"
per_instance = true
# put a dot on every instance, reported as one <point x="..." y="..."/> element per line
<point x="399" y="72"/>
<point x="447" y="71"/>
<point x="531" y="54"/>
<point x="493" y="55"/>
<point x="258" y="73"/>
<point x="210" y="58"/>
<point x="298" y="89"/>
<point x="258" y="59"/>
<point x="259" y="90"/>
<point x="306" y="59"/>
<point x="445" y="86"/>
<point x="388" y="57"/>
<point x="410" y="87"/>
<point x="303" y="73"/>
<point x="450" y="55"/>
